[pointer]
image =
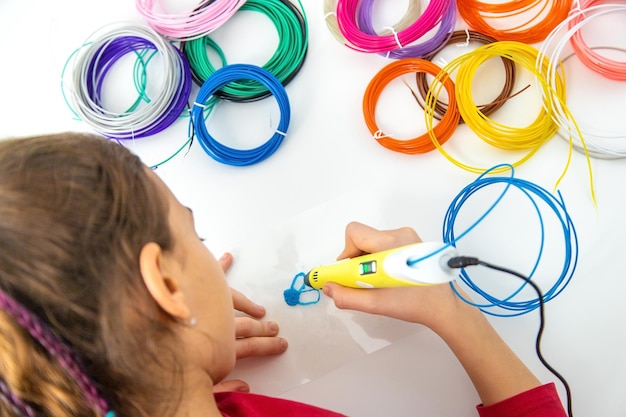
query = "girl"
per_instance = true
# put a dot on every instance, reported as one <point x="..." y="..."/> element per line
<point x="110" y="304"/>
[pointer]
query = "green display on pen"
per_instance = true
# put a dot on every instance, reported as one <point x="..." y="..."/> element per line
<point x="367" y="267"/>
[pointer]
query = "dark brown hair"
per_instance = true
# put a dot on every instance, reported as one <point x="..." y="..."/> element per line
<point x="75" y="212"/>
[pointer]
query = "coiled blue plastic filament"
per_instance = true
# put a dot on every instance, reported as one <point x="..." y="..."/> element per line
<point x="510" y="306"/>
<point x="205" y="102"/>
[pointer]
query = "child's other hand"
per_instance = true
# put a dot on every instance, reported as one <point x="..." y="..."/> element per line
<point x="254" y="337"/>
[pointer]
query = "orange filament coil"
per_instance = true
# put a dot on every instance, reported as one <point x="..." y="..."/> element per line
<point x="531" y="20"/>
<point x="421" y="144"/>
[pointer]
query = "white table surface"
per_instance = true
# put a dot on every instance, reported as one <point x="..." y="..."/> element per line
<point x="287" y="213"/>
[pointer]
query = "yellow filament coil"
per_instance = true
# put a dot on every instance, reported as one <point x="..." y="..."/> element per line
<point x="496" y="134"/>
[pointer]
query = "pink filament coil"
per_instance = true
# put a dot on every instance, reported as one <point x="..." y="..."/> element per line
<point x="608" y="68"/>
<point x="194" y="23"/>
<point x="347" y="11"/>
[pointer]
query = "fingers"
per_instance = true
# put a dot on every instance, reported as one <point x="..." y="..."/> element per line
<point x="226" y="260"/>
<point x="356" y="240"/>
<point x="400" y="303"/>
<point x="248" y="327"/>
<point x="245" y="305"/>
<point x="260" y="346"/>
<point x="361" y="239"/>
<point x="257" y="338"/>
<point x="353" y="298"/>
<point x="232" y="385"/>
<point x="431" y="305"/>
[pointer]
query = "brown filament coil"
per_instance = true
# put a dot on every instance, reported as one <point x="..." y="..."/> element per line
<point x="466" y="36"/>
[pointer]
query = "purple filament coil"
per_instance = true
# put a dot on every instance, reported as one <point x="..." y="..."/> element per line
<point x="148" y="115"/>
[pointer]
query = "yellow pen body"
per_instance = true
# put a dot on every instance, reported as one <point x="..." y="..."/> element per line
<point x="384" y="269"/>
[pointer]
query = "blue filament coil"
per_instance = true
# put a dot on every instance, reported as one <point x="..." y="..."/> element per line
<point x="205" y="101"/>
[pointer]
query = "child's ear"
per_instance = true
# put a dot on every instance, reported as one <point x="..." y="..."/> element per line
<point x="163" y="287"/>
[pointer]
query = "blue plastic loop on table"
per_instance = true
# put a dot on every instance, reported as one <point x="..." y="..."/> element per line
<point x="510" y="306"/>
<point x="293" y="293"/>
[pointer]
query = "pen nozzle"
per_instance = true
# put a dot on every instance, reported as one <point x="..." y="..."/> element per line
<point x="307" y="280"/>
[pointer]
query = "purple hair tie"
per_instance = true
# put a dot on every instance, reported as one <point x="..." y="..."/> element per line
<point x="55" y="347"/>
<point x="17" y="405"/>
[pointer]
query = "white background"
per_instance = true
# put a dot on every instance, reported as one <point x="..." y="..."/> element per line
<point x="287" y="214"/>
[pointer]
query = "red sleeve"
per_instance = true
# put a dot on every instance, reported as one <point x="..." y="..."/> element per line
<point x="542" y="401"/>
<point x="239" y="404"/>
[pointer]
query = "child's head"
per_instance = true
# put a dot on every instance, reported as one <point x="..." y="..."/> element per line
<point x="95" y="245"/>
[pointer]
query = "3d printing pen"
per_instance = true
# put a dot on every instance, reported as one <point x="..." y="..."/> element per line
<point x="391" y="268"/>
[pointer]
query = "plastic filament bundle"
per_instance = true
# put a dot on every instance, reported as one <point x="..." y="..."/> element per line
<point x="541" y="17"/>
<point x="421" y="144"/>
<point x="205" y="102"/>
<point x="463" y="38"/>
<point x="362" y="41"/>
<point x="203" y="19"/>
<point x="609" y="68"/>
<point x="148" y="115"/>
<point x="415" y="50"/>
<point x="412" y="13"/>
<point x="596" y="143"/>
<point x="515" y="304"/>
<point x="495" y="134"/>
<point x="284" y="64"/>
